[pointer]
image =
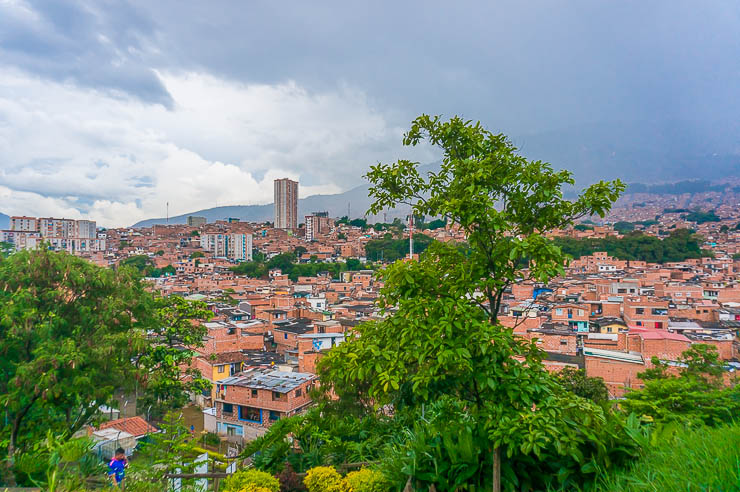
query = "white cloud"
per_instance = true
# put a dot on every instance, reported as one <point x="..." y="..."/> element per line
<point x="77" y="152"/>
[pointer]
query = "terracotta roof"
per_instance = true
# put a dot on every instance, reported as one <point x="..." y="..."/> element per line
<point x="136" y="426"/>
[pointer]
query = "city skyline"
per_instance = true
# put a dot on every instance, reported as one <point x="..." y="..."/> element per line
<point x="112" y="112"/>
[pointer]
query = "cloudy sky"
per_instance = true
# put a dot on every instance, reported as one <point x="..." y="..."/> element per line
<point x="109" y="110"/>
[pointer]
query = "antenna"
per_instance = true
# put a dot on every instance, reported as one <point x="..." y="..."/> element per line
<point x="168" y="213"/>
<point x="349" y="214"/>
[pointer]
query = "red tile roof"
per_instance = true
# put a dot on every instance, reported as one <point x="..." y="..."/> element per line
<point x="136" y="426"/>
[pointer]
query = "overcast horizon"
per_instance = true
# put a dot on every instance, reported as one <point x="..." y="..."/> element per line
<point x="109" y="110"/>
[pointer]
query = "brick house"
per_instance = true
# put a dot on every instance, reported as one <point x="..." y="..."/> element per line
<point x="249" y="402"/>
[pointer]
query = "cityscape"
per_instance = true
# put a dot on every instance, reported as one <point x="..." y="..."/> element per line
<point x="330" y="249"/>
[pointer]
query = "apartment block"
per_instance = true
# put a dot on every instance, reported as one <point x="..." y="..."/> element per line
<point x="286" y="204"/>
<point x="233" y="246"/>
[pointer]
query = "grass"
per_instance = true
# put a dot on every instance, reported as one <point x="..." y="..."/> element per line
<point x="702" y="459"/>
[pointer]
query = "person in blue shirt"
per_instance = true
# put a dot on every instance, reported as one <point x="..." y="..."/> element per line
<point x="117" y="468"/>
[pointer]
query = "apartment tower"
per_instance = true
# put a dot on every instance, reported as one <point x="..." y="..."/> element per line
<point x="286" y="204"/>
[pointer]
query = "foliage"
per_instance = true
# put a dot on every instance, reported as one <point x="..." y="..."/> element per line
<point x="390" y="250"/>
<point x="702" y="217"/>
<point x="324" y="479"/>
<point x="624" y="227"/>
<point x="440" y="338"/>
<point x="145" y="265"/>
<point x="244" y="478"/>
<point x="194" y="233"/>
<point x="160" y="252"/>
<point x="290" y="481"/>
<point x="56" y="465"/>
<point x="68" y="331"/>
<point x="583" y="227"/>
<point x="680" y="245"/>
<point x="288" y="264"/>
<point x="6" y="249"/>
<point x="695" y="395"/>
<point x="576" y="381"/>
<point x="170" y="451"/>
<point x="197" y="254"/>
<point x="432" y="225"/>
<point x="177" y="325"/>
<point x="736" y="256"/>
<point x="691" y="459"/>
<point x="365" y="480"/>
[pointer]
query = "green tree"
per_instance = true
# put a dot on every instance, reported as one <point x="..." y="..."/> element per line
<point x="441" y="337"/>
<point x="576" y="381"/>
<point x="68" y="331"/>
<point x="299" y="250"/>
<point x="6" y="249"/>
<point x="695" y="395"/>
<point x="72" y="334"/>
<point x="176" y="331"/>
<point x="197" y="254"/>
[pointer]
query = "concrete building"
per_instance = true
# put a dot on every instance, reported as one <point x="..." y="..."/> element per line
<point x="73" y="236"/>
<point x="318" y="224"/>
<point x="233" y="246"/>
<point x="195" y="221"/>
<point x="286" y="204"/>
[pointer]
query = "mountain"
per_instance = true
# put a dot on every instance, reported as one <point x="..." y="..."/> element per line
<point x="4" y="221"/>
<point x="354" y="203"/>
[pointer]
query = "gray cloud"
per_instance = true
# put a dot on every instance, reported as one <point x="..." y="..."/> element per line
<point x="323" y="89"/>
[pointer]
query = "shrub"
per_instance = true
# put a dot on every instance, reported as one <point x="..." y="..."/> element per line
<point x="324" y="479"/>
<point x="290" y="481"/>
<point x="251" y="481"/>
<point x="365" y="480"/>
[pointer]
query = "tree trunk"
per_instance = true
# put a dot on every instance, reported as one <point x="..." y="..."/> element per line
<point x="497" y="469"/>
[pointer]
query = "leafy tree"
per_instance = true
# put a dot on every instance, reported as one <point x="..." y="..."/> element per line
<point x="341" y="236"/>
<point x="299" y="251"/>
<point x="695" y="395"/>
<point x="624" y="227"/>
<point x="736" y="256"/>
<point x="6" y="249"/>
<point x="139" y="262"/>
<point x="73" y="333"/>
<point x="197" y="254"/>
<point x="702" y="217"/>
<point x="724" y="229"/>
<point x="194" y="233"/>
<point x="390" y="250"/>
<point x="170" y="451"/>
<point x="583" y="227"/>
<point x="68" y="331"/>
<point x="576" y="381"/>
<point x="177" y="325"/>
<point x="442" y="338"/>
<point x="159" y="252"/>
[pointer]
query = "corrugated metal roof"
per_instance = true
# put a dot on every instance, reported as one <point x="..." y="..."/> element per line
<point x="613" y="354"/>
<point x="280" y="381"/>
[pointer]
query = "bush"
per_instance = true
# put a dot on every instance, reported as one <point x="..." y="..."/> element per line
<point x="324" y="479"/>
<point x="212" y="439"/>
<point x="365" y="480"/>
<point x="251" y="481"/>
<point x="290" y="481"/>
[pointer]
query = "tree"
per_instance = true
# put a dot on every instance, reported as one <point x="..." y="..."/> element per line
<point x="73" y="333"/>
<point x="576" y="381"/>
<point x="6" y="249"/>
<point x="68" y="331"/>
<point x="299" y="251"/>
<point x="694" y="395"/>
<point x="197" y="254"/>
<point x="442" y="337"/>
<point x="724" y="229"/>
<point x="176" y="331"/>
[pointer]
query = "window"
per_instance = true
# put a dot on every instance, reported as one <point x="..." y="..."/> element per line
<point x="580" y="312"/>
<point x="298" y="392"/>
<point x="277" y="395"/>
<point x="639" y="323"/>
<point x="559" y="311"/>
<point x="563" y="341"/>
<point x="221" y="369"/>
<point x="285" y="336"/>
<point x="274" y="416"/>
<point x="250" y="414"/>
<point x="227" y="408"/>
<point x="639" y="310"/>
<point x="254" y="393"/>
<point x="609" y="329"/>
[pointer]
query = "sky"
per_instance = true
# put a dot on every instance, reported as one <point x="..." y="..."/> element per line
<point x="110" y="110"/>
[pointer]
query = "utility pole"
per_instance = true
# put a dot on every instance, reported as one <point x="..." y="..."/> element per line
<point x="411" y="236"/>
<point x="168" y="213"/>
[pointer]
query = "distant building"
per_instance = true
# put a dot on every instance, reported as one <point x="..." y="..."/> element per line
<point x="318" y="224"/>
<point x="286" y="204"/>
<point x="233" y="246"/>
<point x="73" y="236"/>
<point x="195" y="221"/>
